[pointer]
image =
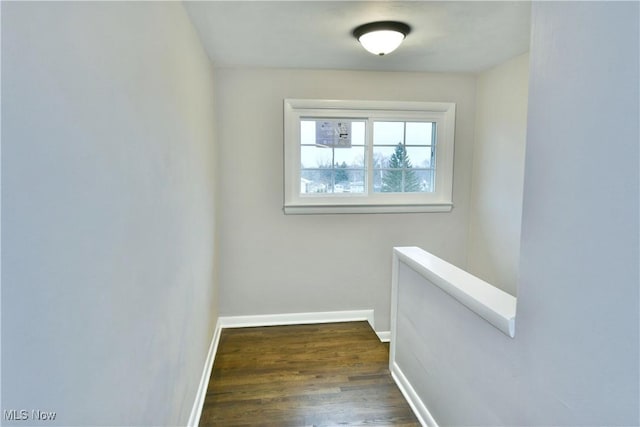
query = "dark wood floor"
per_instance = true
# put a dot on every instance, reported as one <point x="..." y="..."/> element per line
<point x="304" y="375"/>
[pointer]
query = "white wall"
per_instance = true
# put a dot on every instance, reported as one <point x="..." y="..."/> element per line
<point x="574" y="358"/>
<point x="108" y="296"/>
<point x="276" y="263"/>
<point x="578" y="287"/>
<point x="498" y="173"/>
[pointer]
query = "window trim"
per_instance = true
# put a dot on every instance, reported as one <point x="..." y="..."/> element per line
<point x="443" y="113"/>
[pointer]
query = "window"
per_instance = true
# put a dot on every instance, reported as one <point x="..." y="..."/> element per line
<point x="368" y="156"/>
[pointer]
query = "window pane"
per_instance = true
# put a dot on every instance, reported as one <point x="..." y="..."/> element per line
<point x="388" y="133"/>
<point x="377" y="180"/>
<point x="420" y="157"/>
<point x="418" y="133"/>
<point x="425" y="177"/>
<point x="314" y="181"/>
<point x="307" y="132"/>
<point x="393" y="157"/>
<point x="315" y="157"/>
<point x="349" y="181"/>
<point x="381" y="156"/>
<point x="391" y="181"/>
<point x="356" y="181"/>
<point x="357" y="133"/>
<point x="403" y="181"/>
<point x="336" y="180"/>
<point x="411" y="182"/>
<point x="349" y="157"/>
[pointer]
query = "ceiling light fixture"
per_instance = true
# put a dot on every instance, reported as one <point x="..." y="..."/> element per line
<point x="381" y="37"/>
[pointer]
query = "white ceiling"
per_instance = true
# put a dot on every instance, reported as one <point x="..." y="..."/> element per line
<point x="447" y="36"/>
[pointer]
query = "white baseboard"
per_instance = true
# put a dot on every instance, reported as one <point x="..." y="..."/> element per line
<point x="384" y="336"/>
<point x="296" y="319"/>
<point x="418" y="407"/>
<point x="196" y="410"/>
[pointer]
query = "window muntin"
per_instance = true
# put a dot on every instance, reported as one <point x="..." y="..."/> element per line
<point x="358" y="175"/>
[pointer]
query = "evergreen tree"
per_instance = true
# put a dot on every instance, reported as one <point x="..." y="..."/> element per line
<point x="324" y="173"/>
<point x="341" y="173"/>
<point x="401" y="177"/>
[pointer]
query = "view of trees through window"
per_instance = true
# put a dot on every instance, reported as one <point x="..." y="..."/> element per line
<point x="402" y="158"/>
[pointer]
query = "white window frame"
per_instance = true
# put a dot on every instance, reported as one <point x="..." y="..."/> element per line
<point x="440" y="200"/>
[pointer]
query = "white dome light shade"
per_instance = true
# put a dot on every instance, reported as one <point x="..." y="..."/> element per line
<point x="381" y="38"/>
<point x="381" y="42"/>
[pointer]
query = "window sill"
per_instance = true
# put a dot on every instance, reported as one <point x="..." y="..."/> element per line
<point x="365" y="209"/>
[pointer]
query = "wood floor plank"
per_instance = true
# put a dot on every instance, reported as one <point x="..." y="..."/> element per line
<point x="303" y="375"/>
